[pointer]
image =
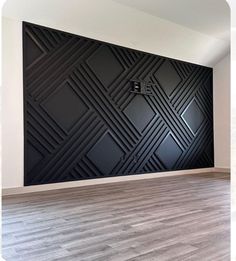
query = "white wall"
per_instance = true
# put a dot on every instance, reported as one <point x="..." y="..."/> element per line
<point x="110" y="21"/>
<point x="12" y="104"/>
<point x="106" y="21"/>
<point x="222" y="112"/>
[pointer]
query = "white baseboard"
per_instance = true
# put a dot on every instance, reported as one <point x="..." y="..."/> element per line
<point x="224" y="170"/>
<point x="80" y="183"/>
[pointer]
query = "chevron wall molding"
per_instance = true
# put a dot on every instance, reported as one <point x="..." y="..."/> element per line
<point x="93" y="109"/>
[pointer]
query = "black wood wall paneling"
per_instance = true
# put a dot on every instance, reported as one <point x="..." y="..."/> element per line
<point x="94" y="109"/>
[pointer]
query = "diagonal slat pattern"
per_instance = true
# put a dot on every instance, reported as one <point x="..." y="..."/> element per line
<point x="82" y="121"/>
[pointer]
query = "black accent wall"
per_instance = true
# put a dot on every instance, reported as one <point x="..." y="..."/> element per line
<point x="94" y="109"/>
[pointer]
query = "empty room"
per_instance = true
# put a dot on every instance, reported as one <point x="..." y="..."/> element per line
<point x="116" y="130"/>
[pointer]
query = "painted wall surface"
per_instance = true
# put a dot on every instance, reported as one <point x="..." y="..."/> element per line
<point x="12" y="104"/>
<point x="175" y="41"/>
<point x="221" y="81"/>
<point x="109" y="21"/>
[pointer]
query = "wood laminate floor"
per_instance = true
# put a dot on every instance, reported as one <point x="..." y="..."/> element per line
<point x="174" y="218"/>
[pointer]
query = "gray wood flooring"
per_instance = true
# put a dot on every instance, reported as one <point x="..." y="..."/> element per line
<point x="173" y="218"/>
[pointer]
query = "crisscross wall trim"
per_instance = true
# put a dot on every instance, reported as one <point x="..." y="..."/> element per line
<point x="82" y="120"/>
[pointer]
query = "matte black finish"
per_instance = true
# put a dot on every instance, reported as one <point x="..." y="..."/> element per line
<point x="93" y="109"/>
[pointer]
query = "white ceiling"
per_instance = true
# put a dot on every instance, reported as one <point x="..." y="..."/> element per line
<point x="197" y="31"/>
<point x="211" y="17"/>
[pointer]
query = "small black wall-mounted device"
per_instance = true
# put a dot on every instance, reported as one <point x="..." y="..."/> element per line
<point x="141" y="87"/>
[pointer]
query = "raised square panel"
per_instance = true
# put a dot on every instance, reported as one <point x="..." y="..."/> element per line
<point x="193" y="116"/>
<point x="105" y="65"/>
<point x="139" y="112"/>
<point x="65" y="106"/>
<point x="105" y="154"/>
<point x="167" y="77"/>
<point x="169" y="151"/>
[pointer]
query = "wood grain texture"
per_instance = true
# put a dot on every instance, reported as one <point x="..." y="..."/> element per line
<point x="173" y="218"/>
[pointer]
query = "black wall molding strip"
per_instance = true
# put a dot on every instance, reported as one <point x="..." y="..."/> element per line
<point x="94" y="109"/>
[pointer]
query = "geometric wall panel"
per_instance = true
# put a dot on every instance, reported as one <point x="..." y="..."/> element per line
<point x="168" y="77"/>
<point x="105" y="154"/>
<point x="105" y="65"/>
<point x="33" y="50"/>
<point x="65" y="106"/>
<point x="193" y="116"/>
<point x="94" y="109"/>
<point x="139" y="112"/>
<point x="33" y="156"/>
<point x="169" y="151"/>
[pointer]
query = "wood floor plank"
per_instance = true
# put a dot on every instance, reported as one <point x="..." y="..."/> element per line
<point x="174" y="218"/>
